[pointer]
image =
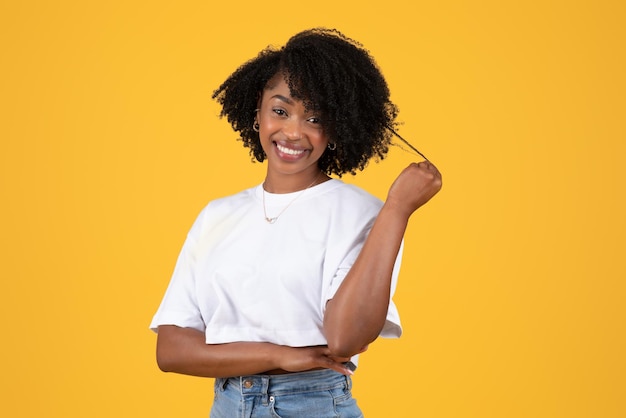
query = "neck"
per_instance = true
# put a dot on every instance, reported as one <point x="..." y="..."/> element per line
<point x="292" y="183"/>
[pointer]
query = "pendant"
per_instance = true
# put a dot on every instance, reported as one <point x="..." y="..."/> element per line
<point x="271" y="220"/>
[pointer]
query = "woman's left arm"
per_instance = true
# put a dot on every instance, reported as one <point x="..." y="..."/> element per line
<point x="356" y="314"/>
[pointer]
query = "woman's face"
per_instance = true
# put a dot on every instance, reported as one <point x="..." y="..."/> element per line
<point x="291" y="135"/>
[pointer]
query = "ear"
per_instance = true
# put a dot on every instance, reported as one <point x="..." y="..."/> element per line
<point x="259" y="99"/>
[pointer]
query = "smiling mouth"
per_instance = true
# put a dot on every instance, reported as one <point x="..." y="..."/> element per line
<point x="290" y="151"/>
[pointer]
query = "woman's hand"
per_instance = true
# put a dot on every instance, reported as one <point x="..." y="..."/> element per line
<point x="297" y="359"/>
<point x="415" y="186"/>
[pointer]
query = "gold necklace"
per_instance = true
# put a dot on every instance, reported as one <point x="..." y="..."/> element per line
<point x="275" y="218"/>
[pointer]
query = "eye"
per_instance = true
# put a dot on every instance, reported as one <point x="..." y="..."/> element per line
<point x="315" y="122"/>
<point x="279" y="111"/>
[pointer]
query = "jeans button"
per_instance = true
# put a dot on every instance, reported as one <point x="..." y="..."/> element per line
<point x="247" y="384"/>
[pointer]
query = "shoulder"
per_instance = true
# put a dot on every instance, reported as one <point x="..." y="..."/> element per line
<point x="345" y="203"/>
<point x="221" y="208"/>
<point x="234" y="200"/>
<point x="353" y="196"/>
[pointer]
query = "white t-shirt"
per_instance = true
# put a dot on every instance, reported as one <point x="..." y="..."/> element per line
<point x="240" y="278"/>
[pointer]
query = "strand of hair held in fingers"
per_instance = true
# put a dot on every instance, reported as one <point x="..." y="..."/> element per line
<point x="407" y="143"/>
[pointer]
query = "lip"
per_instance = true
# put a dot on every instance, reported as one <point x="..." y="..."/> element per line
<point x="289" y="152"/>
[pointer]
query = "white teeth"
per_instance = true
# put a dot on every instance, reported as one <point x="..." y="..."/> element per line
<point x="289" y="150"/>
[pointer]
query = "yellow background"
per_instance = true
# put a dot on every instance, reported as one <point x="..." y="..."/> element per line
<point x="512" y="292"/>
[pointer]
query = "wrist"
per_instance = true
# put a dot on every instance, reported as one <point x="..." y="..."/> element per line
<point x="395" y="210"/>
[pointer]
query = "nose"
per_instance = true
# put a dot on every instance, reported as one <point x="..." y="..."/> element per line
<point x="292" y="129"/>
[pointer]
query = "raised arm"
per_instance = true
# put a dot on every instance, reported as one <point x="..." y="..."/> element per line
<point x="183" y="350"/>
<point x="356" y="314"/>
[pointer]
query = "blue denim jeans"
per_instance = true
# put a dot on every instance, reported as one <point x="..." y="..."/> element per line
<point x="314" y="394"/>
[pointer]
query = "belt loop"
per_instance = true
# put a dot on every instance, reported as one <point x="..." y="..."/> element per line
<point x="265" y="385"/>
<point x="348" y="382"/>
<point x="221" y="382"/>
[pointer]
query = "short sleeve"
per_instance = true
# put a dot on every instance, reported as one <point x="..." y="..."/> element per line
<point x="179" y="305"/>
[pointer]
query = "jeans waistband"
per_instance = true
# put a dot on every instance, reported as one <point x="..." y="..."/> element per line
<point x="286" y="383"/>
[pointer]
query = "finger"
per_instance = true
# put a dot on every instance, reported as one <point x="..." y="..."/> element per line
<point x="340" y="359"/>
<point x="427" y="165"/>
<point x="337" y="366"/>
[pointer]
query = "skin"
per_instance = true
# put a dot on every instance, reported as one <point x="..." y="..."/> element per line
<point x="292" y="137"/>
<point x="293" y="140"/>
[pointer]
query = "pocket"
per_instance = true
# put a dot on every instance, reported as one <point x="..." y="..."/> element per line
<point x="225" y="402"/>
<point x="318" y="404"/>
<point x="272" y="406"/>
<point x="345" y="404"/>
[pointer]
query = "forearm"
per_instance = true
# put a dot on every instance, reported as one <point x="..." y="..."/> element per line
<point x="356" y="314"/>
<point x="184" y="350"/>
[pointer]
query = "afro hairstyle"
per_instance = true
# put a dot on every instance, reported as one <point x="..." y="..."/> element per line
<point x="330" y="73"/>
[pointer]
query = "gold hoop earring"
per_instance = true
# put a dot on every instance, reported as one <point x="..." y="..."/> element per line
<point x="256" y="127"/>
<point x="332" y="146"/>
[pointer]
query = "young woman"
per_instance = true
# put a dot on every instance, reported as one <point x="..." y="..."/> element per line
<point x="278" y="288"/>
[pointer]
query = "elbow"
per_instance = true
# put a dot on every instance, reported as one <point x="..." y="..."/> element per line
<point x="164" y="361"/>
<point x="168" y="348"/>
<point x="348" y="341"/>
<point x="342" y="352"/>
<point x="346" y="348"/>
<point x="166" y="357"/>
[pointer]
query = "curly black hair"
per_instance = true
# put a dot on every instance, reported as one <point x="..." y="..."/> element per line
<point x="334" y="75"/>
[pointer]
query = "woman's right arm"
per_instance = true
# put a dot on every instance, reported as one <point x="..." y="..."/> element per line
<point x="184" y="351"/>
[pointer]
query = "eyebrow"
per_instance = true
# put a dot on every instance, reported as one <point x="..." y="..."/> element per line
<point x="289" y="102"/>
<point x="283" y="98"/>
